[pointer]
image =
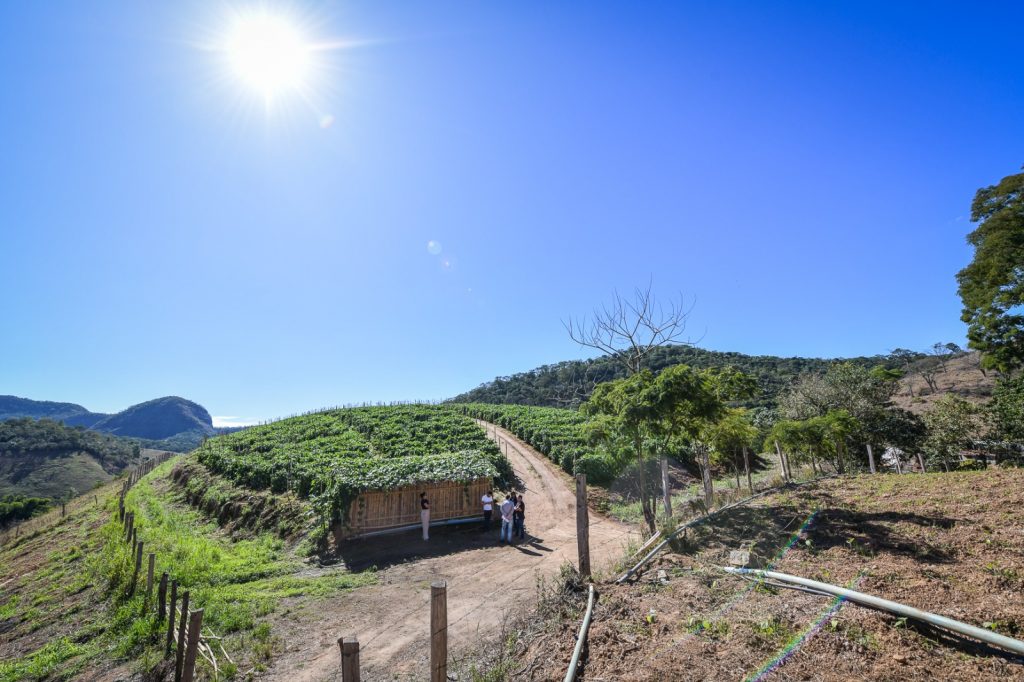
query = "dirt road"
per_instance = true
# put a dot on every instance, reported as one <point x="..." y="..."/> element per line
<point x="485" y="580"/>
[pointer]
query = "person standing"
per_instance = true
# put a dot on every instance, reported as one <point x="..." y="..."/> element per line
<point x="425" y="515"/>
<point x="519" y="518"/>
<point x="488" y="502"/>
<point x="506" y="518"/>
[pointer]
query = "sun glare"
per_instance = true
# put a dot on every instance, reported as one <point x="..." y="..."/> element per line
<point x="268" y="53"/>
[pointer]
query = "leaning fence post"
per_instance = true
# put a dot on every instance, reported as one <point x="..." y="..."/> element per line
<point x="170" y="618"/>
<point x="349" y="658"/>
<point x="149" y="578"/>
<point x="161" y="596"/>
<point x="439" y="631"/>
<point x="871" y="458"/>
<point x="179" y="658"/>
<point x="138" y="567"/>
<point x="582" y="526"/>
<point x="195" y="623"/>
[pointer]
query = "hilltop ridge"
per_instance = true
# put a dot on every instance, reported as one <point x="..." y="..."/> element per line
<point x="170" y="422"/>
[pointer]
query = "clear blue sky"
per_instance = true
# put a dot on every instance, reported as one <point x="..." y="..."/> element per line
<point x="804" y="170"/>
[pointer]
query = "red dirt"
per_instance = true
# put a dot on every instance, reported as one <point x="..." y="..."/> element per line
<point x="485" y="582"/>
<point x="951" y="544"/>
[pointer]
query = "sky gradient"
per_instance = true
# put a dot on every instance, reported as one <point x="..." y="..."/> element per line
<point x="803" y="172"/>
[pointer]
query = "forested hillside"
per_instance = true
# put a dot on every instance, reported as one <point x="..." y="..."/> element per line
<point x="44" y="458"/>
<point x="168" y="423"/>
<point x="567" y="384"/>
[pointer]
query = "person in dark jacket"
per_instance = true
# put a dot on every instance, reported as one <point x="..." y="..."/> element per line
<point x="519" y="518"/>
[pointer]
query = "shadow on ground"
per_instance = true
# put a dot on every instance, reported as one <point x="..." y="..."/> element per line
<point x="766" y="531"/>
<point x="388" y="550"/>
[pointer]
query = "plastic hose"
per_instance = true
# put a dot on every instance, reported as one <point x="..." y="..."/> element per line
<point x="987" y="636"/>
<point x="581" y="639"/>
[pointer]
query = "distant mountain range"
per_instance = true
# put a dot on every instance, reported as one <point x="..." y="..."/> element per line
<point x="169" y="423"/>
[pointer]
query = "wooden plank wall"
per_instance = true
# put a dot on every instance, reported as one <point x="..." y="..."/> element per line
<point x="401" y="507"/>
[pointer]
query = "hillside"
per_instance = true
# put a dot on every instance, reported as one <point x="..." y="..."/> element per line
<point x="567" y="384"/>
<point x="13" y="407"/>
<point x="158" y="419"/>
<point x="44" y="458"/>
<point x="168" y="423"/>
<point x="960" y="375"/>
<point x="945" y="543"/>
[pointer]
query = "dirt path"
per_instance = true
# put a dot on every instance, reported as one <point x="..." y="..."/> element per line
<point x="485" y="580"/>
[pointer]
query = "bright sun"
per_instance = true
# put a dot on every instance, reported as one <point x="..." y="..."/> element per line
<point x="268" y="53"/>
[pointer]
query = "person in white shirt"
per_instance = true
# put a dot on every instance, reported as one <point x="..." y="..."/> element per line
<point x="425" y="515"/>
<point x="488" y="502"/>
<point x="507" y="508"/>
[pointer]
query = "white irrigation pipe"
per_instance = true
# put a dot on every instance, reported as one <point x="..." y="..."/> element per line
<point x="986" y="636"/>
<point x="574" y="662"/>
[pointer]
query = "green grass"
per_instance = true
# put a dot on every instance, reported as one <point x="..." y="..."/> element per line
<point x="51" y="662"/>
<point x="235" y="581"/>
<point x="76" y="592"/>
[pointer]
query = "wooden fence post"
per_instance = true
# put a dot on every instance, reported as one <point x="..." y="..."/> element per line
<point x="138" y="567"/>
<point x="161" y="596"/>
<point x="871" y="458"/>
<point x="582" y="526"/>
<point x="149" y="578"/>
<point x="746" y="466"/>
<point x="195" y="624"/>
<point x="349" y="658"/>
<point x="170" y="617"/>
<point x="179" y="658"/>
<point x="439" y="631"/>
<point x="666" y="489"/>
<point x="782" y="462"/>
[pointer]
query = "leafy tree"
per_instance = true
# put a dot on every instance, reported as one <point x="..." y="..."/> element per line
<point x="643" y="410"/>
<point x="731" y="439"/>
<point x="952" y="424"/>
<point x="901" y="430"/>
<point x="17" y="508"/>
<point x="992" y="285"/>
<point x="1006" y="411"/>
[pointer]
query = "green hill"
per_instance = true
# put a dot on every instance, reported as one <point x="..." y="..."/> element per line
<point x="568" y="383"/>
<point x="44" y="458"/>
<point x="168" y="423"/>
<point x="13" y="407"/>
<point x="158" y="419"/>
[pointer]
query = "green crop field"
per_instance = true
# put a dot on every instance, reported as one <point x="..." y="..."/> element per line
<point x="560" y="434"/>
<point x="332" y="456"/>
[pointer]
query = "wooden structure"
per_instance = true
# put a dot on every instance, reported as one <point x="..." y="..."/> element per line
<point x="379" y="510"/>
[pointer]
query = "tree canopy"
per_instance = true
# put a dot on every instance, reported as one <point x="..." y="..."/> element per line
<point x="992" y="285"/>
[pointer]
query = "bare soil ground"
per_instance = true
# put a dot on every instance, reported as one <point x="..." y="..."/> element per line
<point x="486" y="581"/>
<point x="952" y="544"/>
<point x="961" y="376"/>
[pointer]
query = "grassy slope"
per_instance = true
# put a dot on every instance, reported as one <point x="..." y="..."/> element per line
<point x="52" y="477"/>
<point x="52" y="583"/>
<point x="947" y="543"/>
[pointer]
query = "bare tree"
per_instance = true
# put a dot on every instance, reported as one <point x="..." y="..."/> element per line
<point x="628" y="331"/>
<point x="577" y="389"/>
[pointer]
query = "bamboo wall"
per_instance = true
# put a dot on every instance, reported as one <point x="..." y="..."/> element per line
<point x="384" y="509"/>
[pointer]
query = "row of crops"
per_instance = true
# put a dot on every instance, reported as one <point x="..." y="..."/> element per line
<point x="333" y="456"/>
<point x="560" y="434"/>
